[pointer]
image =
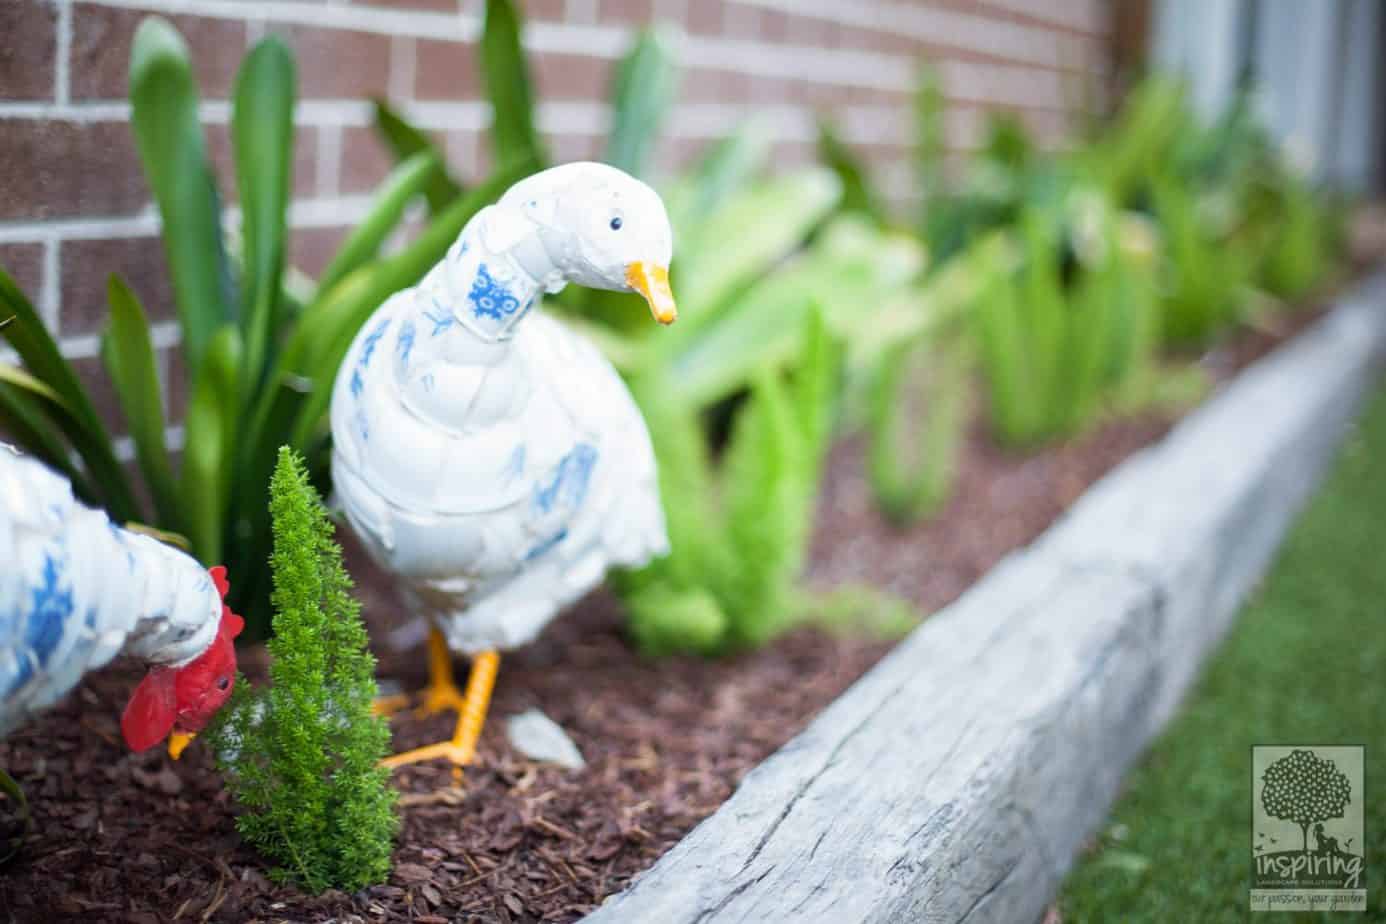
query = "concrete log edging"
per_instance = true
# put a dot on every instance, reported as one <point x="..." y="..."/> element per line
<point x="957" y="779"/>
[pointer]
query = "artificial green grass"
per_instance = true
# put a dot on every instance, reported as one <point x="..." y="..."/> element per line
<point x="1305" y="664"/>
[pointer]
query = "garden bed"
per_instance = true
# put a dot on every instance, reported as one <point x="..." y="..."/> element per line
<point x="122" y="837"/>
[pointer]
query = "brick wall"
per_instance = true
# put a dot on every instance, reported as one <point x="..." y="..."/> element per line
<point x="74" y="206"/>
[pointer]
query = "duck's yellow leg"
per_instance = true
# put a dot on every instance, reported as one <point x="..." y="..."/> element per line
<point x="443" y="694"/>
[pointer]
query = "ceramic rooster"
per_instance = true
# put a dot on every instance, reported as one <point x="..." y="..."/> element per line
<point x="488" y="456"/>
<point x="76" y="590"/>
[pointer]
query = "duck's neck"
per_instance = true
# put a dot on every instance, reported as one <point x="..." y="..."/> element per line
<point x="488" y="282"/>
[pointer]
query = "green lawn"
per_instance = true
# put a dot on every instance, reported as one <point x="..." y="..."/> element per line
<point x="1306" y="664"/>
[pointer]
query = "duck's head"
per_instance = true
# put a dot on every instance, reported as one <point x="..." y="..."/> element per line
<point x="602" y="228"/>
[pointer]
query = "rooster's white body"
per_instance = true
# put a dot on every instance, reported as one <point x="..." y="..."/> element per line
<point x="490" y="457"/>
<point x="76" y="590"/>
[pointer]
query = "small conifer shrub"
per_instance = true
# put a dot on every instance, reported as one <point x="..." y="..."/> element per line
<point x="302" y="756"/>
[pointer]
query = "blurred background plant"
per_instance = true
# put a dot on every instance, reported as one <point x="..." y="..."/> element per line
<point x="260" y="357"/>
<point x="1078" y="266"/>
<point x="1053" y="284"/>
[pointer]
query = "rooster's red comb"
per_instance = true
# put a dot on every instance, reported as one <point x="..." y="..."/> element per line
<point x="231" y="624"/>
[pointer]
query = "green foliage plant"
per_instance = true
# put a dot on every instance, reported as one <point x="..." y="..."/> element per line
<point x="260" y="360"/>
<point x="739" y="530"/>
<point x="302" y="756"/>
<point x="917" y="394"/>
<point x="1063" y="321"/>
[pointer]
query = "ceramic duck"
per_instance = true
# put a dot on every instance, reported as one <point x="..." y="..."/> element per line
<point x="76" y="590"/>
<point x="489" y="457"/>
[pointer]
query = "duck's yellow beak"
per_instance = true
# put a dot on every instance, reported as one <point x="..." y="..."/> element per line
<point x="652" y="281"/>
<point x="177" y="741"/>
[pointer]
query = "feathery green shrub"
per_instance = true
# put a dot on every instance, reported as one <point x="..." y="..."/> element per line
<point x="302" y="756"/>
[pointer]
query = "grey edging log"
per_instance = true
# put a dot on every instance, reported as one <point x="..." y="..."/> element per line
<point x="956" y="780"/>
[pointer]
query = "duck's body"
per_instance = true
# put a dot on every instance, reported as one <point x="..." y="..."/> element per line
<point x="488" y="456"/>
<point x="498" y="469"/>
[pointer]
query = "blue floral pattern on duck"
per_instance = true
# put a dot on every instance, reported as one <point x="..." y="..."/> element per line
<point x="570" y="480"/>
<point x="405" y="343"/>
<point x="442" y="321"/>
<point x="489" y="298"/>
<point x="367" y="351"/>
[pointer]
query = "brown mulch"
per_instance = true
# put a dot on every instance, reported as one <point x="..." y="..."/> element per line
<point x="121" y="837"/>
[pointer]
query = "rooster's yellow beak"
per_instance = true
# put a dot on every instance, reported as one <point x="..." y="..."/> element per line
<point x="177" y="741"/>
<point x="652" y="281"/>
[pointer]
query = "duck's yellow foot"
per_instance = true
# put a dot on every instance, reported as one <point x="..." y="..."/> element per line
<point x="389" y="705"/>
<point x="460" y="755"/>
<point x="440" y="697"/>
<point x="471" y="715"/>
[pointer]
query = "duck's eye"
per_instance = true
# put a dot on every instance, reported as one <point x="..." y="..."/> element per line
<point x="223" y="683"/>
<point x="616" y="223"/>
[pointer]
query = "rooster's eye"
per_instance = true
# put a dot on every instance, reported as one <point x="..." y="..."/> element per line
<point x="616" y="223"/>
<point x="223" y="683"/>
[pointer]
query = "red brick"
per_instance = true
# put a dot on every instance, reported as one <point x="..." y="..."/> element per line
<point x="793" y="153"/>
<point x="177" y="387"/>
<point x="807" y="30"/>
<point x="832" y="34"/>
<point x="632" y="11"/>
<point x="100" y="57"/>
<point x="774" y="26"/>
<point x="483" y="160"/>
<point x="446" y="6"/>
<point x="818" y="95"/>
<point x="93" y="378"/>
<point x="741" y="22"/>
<point x="24" y="264"/>
<point x="569" y="77"/>
<point x="28" y="49"/>
<point x="337" y="63"/>
<point x="311" y="249"/>
<point x="220" y="153"/>
<point x="365" y="161"/>
<point x="54" y="169"/>
<point x="858" y="38"/>
<point x="680" y="153"/>
<point x="544" y="9"/>
<point x="446" y="70"/>
<point x="705" y="16"/>
<point x="574" y="147"/>
<point x="897" y="43"/>
<point x="708" y="86"/>
<point x="86" y="265"/>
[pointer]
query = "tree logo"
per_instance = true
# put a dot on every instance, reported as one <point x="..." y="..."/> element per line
<point x="1307" y="845"/>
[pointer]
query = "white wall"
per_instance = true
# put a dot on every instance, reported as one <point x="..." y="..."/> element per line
<point x="1316" y="64"/>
